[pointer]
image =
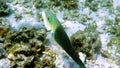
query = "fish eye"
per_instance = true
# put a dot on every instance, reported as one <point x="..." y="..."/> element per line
<point x="48" y="18"/>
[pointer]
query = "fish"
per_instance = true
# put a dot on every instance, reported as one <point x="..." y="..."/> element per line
<point x="60" y="36"/>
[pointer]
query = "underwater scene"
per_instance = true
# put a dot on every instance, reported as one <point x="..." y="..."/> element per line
<point x="59" y="33"/>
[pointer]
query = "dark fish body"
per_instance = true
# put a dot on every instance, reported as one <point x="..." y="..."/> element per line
<point x="63" y="40"/>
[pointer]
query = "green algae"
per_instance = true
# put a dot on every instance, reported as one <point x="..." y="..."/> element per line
<point x="4" y="9"/>
<point x="4" y="26"/>
<point x="75" y="15"/>
<point x="94" y="5"/>
<point x="38" y="17"/>
<point x="46" y="62"/>
<point x="87" y="41"/>
<point x="68" y="4"/>
<point x="112" y="26"/>
<point x="115" y="41"/>
<point x="105" y="53"/>
<point x="71" y="15"/>
<point x="18" y="16"/>
<point x="25" y="47"/>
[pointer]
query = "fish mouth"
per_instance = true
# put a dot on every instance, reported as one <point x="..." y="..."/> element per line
<point x="46" y="22"/>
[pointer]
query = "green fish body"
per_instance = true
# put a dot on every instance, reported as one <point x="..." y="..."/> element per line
<point x="60" y="36"/>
